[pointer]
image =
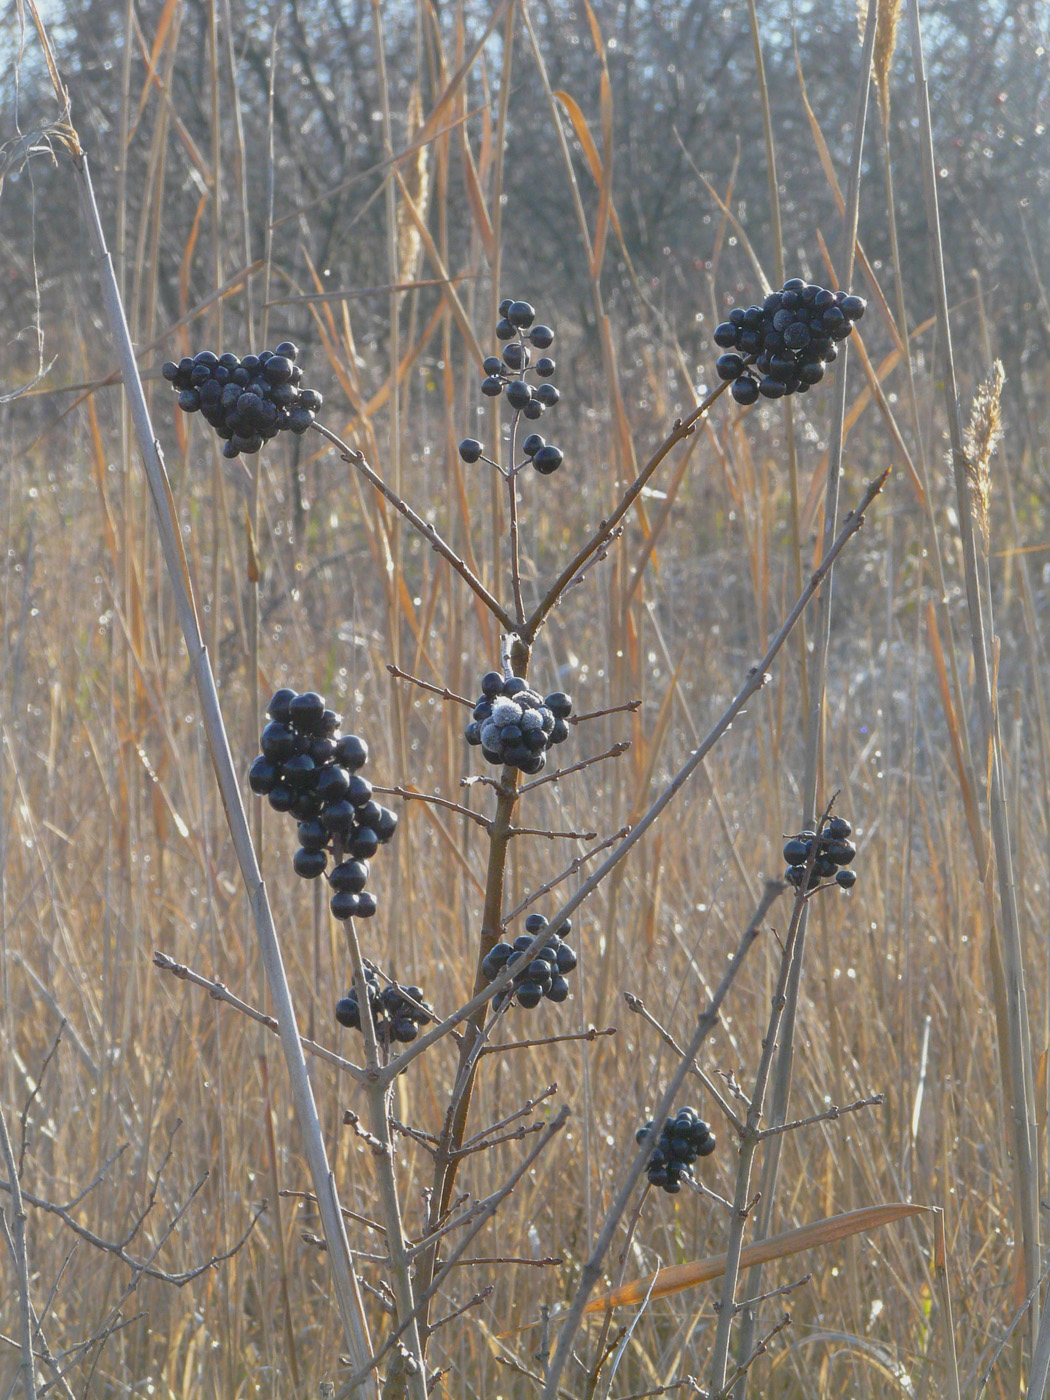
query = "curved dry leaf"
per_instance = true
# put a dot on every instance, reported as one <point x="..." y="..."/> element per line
<point x="820" y="1233"/>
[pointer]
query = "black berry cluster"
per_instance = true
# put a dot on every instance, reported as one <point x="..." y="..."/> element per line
<point x="247" y="401"/>
<point x="397" y="1013"/>
<point x="507" y="373"/>
<point x="309" y="769"/>
<point x="683" y="1139"/>
<point x="545" y="977"/>
<point x="515" y="725"/>
<point x="834" y="851"/>
<point x="789" y="338"/>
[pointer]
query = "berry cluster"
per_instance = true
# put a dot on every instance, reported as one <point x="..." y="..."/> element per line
<point x="682" y="1140"/>
<point x="834" y="851"/>
<point x="545" y="976"/>
<point x="515" y="725"/>
<point x="309" y="769"/>
<point x="506" y="373"/>
<point x="396" y="1014"/>
<point x="790" y="338"/>
<point x="247" y="401"/>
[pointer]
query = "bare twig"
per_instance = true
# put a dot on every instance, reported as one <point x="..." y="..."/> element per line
<point x="828" y="1116"/>
<point x="221" y="992"/>
<point x="441" y="690"/>
<point x="638" y="1007"/>
<point x="23" y="1117"/>
<point x="529" y="1106"/>
<point x="434" y="800"/>
<point x="559" y="773"/>
<point x="570" y="870"/>
<point x="358" y="460"/>
<point x="464" y="1307"/>
<point x="552" y="835"/>
<point x="591" y="1033"/>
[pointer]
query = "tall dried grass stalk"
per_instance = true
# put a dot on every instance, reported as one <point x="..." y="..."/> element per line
<point x="887" y="16"/>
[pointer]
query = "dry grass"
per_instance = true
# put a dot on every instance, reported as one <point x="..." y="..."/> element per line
<point x="113" y="842"/>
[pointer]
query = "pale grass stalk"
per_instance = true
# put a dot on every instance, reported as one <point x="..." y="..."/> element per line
<point x="591" y="1271"/>
<point x="1018" y="1075"/>
<point x="787" y="404"/>
<point x="344" y="1280"/>
<point x="814" y="757"/>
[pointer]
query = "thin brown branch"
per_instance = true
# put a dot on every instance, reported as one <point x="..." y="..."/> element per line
<point x="570" y="870"/>
<point x="828" y="1116"/>
<point x="638" y="1007"/>
<point x="410" y="795"/>
<point x="441" y="690"/>
<point x="591" y="1033"/>
<point x="221" y="992"/>
<point x="358" y="461"/>
<point x="552" y="835"/>
<point x="559" y="773"/>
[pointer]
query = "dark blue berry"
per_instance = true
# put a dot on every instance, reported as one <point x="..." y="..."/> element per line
<point x="744" y="390"/>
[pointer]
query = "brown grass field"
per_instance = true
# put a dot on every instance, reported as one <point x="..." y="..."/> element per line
<point x="161" y="1117"/>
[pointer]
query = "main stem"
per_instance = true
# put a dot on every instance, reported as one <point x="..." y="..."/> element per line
<point x="446" y="1159"/>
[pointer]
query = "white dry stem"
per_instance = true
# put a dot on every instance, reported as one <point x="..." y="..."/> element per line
<point x="344" y="1279"/>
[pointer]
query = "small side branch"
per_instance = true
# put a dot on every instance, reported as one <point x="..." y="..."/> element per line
<point x="441" y="690"/>
<point x="221" y="992"/>
<point x="559" y="773"/>
<point x="828" y="1116"/>
<point x="591" y="1033"/>
<point x="359" y="462"/>
<point x="638" y="1007"/>
<point x="410" y="795"/>
<point x="552" y="835"/>
<point x="571" y="869"/>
